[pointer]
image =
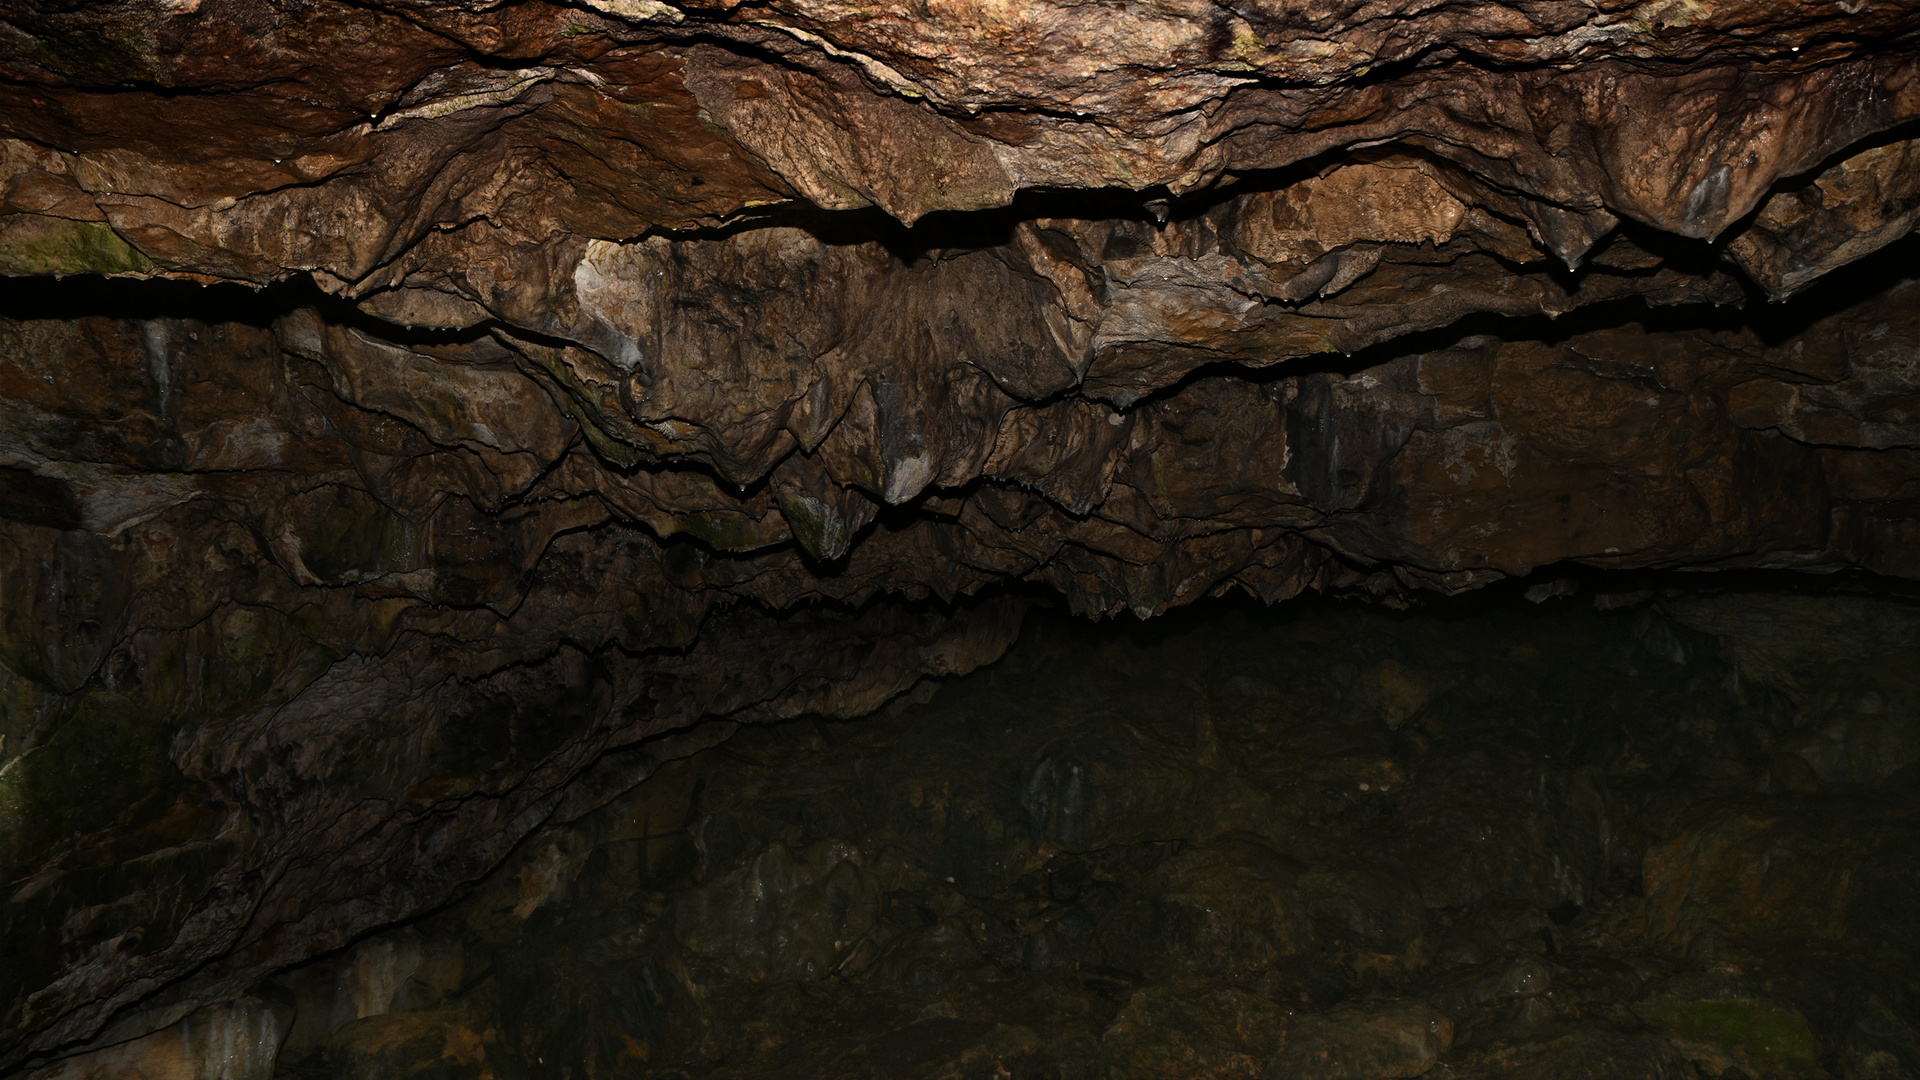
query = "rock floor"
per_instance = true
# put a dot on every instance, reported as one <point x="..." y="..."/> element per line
<point x="1624" y="836"/>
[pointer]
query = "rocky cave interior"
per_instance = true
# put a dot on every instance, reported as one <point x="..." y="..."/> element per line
<point x="1326" y="539"/>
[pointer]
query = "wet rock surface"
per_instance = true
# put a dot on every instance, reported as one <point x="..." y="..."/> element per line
<point x="1197" y="848"/>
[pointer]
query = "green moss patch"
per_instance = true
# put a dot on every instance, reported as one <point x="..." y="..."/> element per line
<point x="1767" y="1035"/>
<point x="38" y="246"/>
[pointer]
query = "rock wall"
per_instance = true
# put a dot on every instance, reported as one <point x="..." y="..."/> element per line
<point x="493" y="386"/>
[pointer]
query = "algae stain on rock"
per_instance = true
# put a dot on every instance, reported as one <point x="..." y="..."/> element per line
<point x="35" y="245"/>
<point x="1760" y="1036"/>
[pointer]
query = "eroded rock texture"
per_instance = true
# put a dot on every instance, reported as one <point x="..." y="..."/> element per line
<point x="618" y="365"/>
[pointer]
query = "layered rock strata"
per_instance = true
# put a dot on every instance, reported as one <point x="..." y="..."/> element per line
<point x="620" y="365"/>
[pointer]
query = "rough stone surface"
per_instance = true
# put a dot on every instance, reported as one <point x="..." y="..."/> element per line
<point x="617" y="365"/>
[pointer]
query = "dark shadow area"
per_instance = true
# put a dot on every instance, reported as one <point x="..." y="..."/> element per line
<point x="1486" y="837"/>
<point x="85" y="296"/>
<point x="82" y="296"/>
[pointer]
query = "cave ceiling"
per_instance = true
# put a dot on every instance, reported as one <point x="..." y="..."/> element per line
<point x="403" y="404"/>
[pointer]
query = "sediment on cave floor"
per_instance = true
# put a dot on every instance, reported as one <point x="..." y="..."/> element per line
<point x="1622" y="829"/>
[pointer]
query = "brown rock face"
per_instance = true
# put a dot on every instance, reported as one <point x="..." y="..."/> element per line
<point x="607" y="367"/>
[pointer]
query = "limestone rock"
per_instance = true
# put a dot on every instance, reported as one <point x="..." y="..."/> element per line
<point x="487" y="390"/>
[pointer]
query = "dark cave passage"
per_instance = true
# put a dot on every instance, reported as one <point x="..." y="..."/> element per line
<point x="1635" y="830"/>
